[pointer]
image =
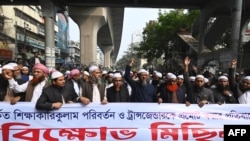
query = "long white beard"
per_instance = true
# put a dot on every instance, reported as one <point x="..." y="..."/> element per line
<point x="144" y="83"/>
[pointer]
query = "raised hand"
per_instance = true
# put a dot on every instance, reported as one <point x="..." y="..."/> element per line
<point x="233" y="63"/>
<point x="187" y="61"/>
<point x="131" y="62"/>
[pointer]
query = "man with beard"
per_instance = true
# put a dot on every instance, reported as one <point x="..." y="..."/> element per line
<point x="5" y="92"/>
<point x="34" y="87"/>
<point x="73" y="85"/>
<point x="142" y="90"/>
<point x="222" y="92"/>
<point x="85" y="76"/>
<point x="169" y="92"/>
<point x="119" y="91"/>
<point x="196" y="93"/>
<point x="94" y="89"/>
<point x="156" y="79"/>
<point x="53" y="97"/>
<point x="18" y="78"/>
<point x="241" y="91"/>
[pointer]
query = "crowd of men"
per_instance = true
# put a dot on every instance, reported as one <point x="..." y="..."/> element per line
<point x="51" y="89"/>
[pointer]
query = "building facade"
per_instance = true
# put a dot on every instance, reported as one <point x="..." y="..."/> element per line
<point x="23" y="30"/>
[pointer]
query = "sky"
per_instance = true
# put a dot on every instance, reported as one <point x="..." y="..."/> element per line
<point x="134" y="19"/>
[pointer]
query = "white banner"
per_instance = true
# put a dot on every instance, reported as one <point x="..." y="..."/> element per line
<point x="119" y="121"/>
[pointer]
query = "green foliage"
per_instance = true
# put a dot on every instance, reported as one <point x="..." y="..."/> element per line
<point x="121" y="63"/>
<point x="159" y="36"/>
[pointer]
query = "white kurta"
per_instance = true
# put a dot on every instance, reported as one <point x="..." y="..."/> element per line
<point x="96" y="94"/>
<point x="13" y="85"/>
<point x="245" y="98"/>
<point x="37" y="91"/>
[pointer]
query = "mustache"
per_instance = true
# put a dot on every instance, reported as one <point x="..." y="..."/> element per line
<point x="37" y="80"/>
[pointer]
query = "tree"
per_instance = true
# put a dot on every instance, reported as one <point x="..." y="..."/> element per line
<point x="121" y="63"/>
<point x="160" y="36"/>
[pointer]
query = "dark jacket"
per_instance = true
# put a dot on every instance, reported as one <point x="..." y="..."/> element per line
<point x="140" y="93"/>
<point x="3" y="87"/>
<point x="50" y="95"/>
<point x="167" y="96"/>
<point x="70" y="91"/>
<point x="195" y="95"/>
<point x="121" y="96"/>
<point x="220" y="97"/>
<point x="87" y="90"/>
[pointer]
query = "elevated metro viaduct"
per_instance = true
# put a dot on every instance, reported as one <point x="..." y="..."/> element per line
<point x="100" y="23"/>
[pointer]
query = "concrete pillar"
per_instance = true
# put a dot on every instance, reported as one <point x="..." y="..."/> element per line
<point x="202" y="28"/>
<point x="107" y="52"/>
<point x="89" y="20"/>
<point x="236" y="22"/>
<point x="49" y="13"/>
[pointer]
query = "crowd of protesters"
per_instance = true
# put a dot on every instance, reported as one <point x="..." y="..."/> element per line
<point x="51" y="89"/>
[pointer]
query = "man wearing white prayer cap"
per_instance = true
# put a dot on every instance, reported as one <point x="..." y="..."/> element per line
<point x="93" y="90"/>
<point x="222" y="92"/>
<point x="85" y="75"/>
<point x="53" y="96"/>
<point x="169" y="92"/>
<point x="32" y="88"/>
<point x="118" y="92"/>
<point x="156" y="79"/>
<point x="241" y="90"/>
<point x="142" y="90"/>
<point x="244" y="98"/>
<point x="5" y="92"/>
<point x="196" y="93"/>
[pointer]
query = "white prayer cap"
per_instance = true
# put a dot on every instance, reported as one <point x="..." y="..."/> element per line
<point x="206" y="80"/>
<point x="92" y="68"/>
<point x="225" y="74"/>
<point x="111" y="74"/>
<point x="56" y="74"/>
<point x="13" y="64"/>
<point x="199" y="76"/>
<point x="223" y="77"/>
<point x="104" y="72"/>
<point x="116" y="75"/>
<point x="180" y="77"/>
<point x="172" y="76"/>
<point x="247" y="77"/>
<point x="25" y="67"/>
<point x="67" y="72"/>
<point x="159" y="74"/>
<point x="142" y="71"/>
<point x="169" y="74"/>
<point x="8" y="67"/>
<point x="86" y="73"/>
<point x="192" y="78"/>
